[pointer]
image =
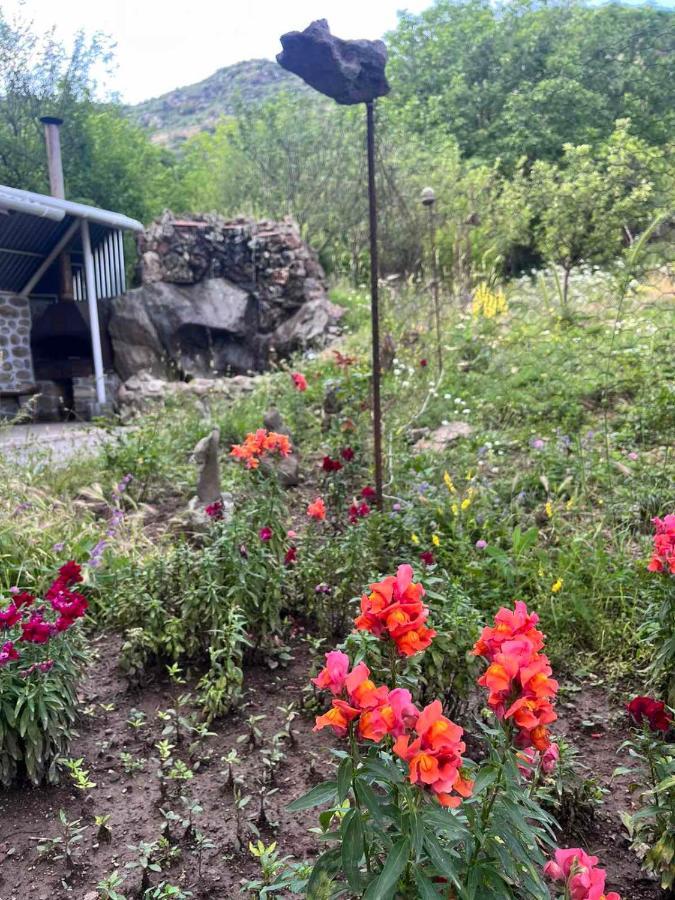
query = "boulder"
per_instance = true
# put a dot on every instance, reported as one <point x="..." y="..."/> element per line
<point x="437" y="440"/>
<point x="187" y="330"/>
<point x="348" y="71"/>
<point x="219" y="297"/>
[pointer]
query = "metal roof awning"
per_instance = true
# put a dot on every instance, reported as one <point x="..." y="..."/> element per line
<point x="31" y="225"/>
<point x="37" y="229"/>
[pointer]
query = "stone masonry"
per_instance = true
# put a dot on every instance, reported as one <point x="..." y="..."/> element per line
<point x="16" y="364"/>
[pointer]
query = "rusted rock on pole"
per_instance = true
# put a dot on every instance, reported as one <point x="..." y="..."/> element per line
<point x="348" y="71"/>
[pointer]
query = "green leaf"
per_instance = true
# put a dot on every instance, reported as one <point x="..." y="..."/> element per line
<point x="326" y="866"/>
<point x="386" y="882"/>
<point x="425" y="887"/>
<point x="440" y="859"/>
<point x="367" y="796"/>
<point x="352" y="848"/>
<point x="322" y="793"/>
<point x="344" y="778"/>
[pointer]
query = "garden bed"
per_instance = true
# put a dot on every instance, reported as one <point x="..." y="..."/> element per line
<point x="28" y="815"/>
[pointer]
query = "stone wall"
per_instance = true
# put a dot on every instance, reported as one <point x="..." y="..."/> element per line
<point x="16" y="364"/>
<point x="220" y="297"/>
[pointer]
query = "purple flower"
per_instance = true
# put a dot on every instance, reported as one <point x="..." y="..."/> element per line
<point x="57" y="548"/>
<point x="323" y="588"/>
<point x="481" y="544"/>
<point x="396" y="507"/>
<point x="538" y="444"/>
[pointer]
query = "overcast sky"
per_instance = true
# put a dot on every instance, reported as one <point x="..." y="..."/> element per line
<point x="162" y="44"/>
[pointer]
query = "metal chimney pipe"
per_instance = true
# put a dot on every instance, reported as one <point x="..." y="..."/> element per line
<point x="57" y="188"/>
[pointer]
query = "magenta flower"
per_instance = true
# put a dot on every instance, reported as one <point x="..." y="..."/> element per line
<point x="481" y="544"/>
<point x="265" y="534"/>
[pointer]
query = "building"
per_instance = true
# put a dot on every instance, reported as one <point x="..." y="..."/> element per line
<point x="59" y="263"/>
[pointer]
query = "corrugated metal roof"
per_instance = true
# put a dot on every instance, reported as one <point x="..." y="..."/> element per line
<point x="27" y="238"/>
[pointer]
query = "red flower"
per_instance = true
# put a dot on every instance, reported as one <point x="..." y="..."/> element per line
<point x="70" y="573"/>
<point x="663" y="558"/>
<point x="368" y="493"/>
<point x="427" y="557"/>
<point x="265" y="534"/>
<point x="299" y="381"/>
<point x="70" y="605"/>
<point x="9" y="616"/>
<point x="358" y="511"/>
<point x="291" y="556"/>
<point x="215" y="510"/>
<point x="347" y="454"/>
<point x="331" y="465"/>
<point x="8" y="653"/>
<point x="36" y="630"/>
<point x="653" y="711"/>
<point x="23" y="598"/>
<point x="424" y="363"/>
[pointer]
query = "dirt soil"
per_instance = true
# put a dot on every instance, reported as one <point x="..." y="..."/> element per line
<point x="133" y="801"/>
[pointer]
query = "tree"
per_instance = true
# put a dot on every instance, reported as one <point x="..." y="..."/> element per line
<point x="107" y="161"/>
<point x="591" y="203"/>
<point x="524" y="77"/>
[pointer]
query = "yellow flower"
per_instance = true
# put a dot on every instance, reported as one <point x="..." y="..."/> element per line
<point x="540" y="573"/>
<point x="549" y="509"/>
<point x="455" y="509"/>
<point x="570" y="503"/>
<point x="449" y="483"/>
<point x="435" y="540"/>
<point x="414" y="538"/>
<point x="488" y="303"/>
<point x="466" y="503"/>
<point x="557" y="586"/>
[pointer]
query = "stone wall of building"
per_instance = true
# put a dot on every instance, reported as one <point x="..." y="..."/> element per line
<point x="16" y="364"/>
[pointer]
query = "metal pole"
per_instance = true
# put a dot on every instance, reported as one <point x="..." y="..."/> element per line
<point x="374" y="302"/>
<point x="93" y="313"/>
<point x="434" y="285"/>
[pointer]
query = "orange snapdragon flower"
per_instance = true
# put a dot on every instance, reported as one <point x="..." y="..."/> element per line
<point x="259" y="443"/>
<point x="518" y="678"/>
<point x="394" y="609"/>
<point x="317" y="509"/>
<point x="381" y="711"/>
<point x="435" y="757"/>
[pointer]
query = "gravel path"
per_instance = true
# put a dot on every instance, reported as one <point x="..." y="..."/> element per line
<point x="49" y="443"/>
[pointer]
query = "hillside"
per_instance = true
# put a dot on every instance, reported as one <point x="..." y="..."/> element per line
<point x="173" y="117"/>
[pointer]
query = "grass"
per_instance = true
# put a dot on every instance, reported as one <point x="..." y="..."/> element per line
<point x="571" y="443"/>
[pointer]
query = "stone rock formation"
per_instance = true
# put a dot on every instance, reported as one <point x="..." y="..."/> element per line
<point x="143" y="392"/>
<point x="440" y="438"/>
<point x="348" y="71"/>
<point x="219" y="297"/>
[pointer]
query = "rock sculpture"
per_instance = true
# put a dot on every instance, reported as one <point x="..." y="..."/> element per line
<point x="205" y="456"/>
<point x="348" y="71"/>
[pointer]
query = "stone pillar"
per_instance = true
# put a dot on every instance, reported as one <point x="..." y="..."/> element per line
<point x="16" y="362"/>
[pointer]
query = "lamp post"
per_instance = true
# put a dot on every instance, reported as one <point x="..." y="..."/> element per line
<point x="428" y="198"/>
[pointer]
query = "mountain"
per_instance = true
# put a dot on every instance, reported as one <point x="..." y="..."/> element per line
<point x="185" y="111"/>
